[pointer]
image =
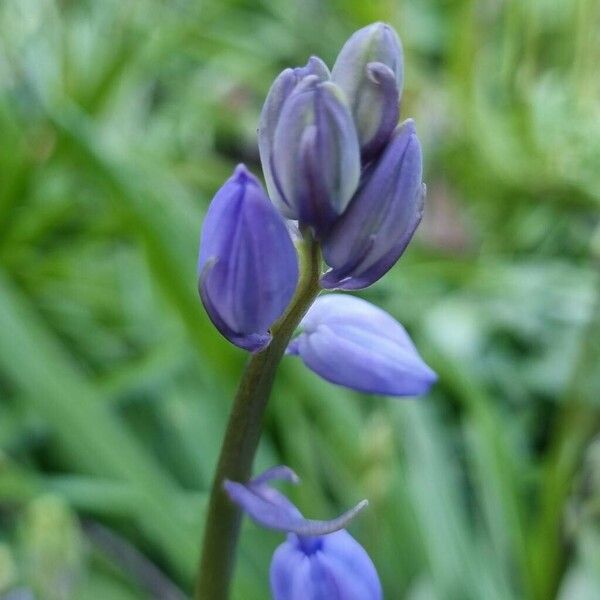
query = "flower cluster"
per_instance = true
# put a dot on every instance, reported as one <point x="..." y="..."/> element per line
<point x="343" y="176"/>
<point x="336" y="161"/>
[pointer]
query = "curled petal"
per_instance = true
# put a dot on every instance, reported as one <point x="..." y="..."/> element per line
<point x="279" y="473"/>
<point x="377" y="113"/>
<point x="372" y="234"/>
<point x="243" y="284"/>
<point x="264" y="505"/>
<point x="282" y="88"/>
<point x="273" y="510"/>
<point x="350" y="342"/>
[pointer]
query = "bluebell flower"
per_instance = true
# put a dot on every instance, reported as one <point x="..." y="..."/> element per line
<point x="369" y="69"/>
<point x="285" y="83"/>
<point x="350" y="342"/>
<point x="319" y="560"/>
<point x="367" y="240"/>
<point x="315" y="159"/>
<point x="248" y="267"/>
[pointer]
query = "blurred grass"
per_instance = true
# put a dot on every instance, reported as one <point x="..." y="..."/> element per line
<point x="118" y="121"/>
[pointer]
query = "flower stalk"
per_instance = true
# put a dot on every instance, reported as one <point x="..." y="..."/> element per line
<point x="243" y="433"/>
<point x="336" y="162"/>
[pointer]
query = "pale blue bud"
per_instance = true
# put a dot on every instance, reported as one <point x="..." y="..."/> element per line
<point x="369" y="69"/>
<point x="282" y="87"/>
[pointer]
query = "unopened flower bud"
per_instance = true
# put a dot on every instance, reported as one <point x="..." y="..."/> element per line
<point x="379" y="223"/>
<point x="316" y="159"/>
<point x="248" y="267"/>
<point x="351" y="342"/>
<point x="369" y="69"/>
<point x="282" y="87"/>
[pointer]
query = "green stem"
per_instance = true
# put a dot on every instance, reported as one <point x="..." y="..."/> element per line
<point x="243" y="433"/>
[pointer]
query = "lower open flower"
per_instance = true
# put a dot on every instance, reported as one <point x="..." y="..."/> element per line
<point x="319" y="560"/>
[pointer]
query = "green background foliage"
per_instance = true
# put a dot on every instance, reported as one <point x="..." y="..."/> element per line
<point x="119" y="119"/>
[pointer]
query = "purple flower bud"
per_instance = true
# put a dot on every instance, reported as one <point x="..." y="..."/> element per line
<point x="248" y="267"/>
<point x="319" y="560"/>
<point x="348" y="341"/>
<point x="316" y="160"/>
<point x="379" y="223"/>
<point x="369" y="69"/>
<point x="281" y="89"/>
